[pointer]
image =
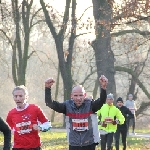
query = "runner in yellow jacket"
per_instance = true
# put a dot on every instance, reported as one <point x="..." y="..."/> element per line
<point x="108" y="118"/>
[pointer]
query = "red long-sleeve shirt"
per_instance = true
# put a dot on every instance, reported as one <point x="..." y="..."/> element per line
<point x="21" y="122"/>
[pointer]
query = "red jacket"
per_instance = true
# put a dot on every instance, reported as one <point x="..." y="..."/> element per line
<point x="21" y="123"/>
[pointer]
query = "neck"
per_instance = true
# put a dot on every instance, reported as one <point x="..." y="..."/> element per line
<point x="22" y="106"/>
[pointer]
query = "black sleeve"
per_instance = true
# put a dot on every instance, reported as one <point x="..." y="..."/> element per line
<point x="97" y="104"/>
<point x="128" y="112"/>
<point x="59" y="107"/>
<point x="7" y="134"/>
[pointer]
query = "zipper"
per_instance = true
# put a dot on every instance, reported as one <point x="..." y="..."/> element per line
<point x="108" y="116"/>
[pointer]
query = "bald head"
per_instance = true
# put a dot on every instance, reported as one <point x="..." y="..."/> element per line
<point x="78" y="95"/>
<point x="78" y="88"/>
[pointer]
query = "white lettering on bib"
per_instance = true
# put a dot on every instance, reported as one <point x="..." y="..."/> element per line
<point x="24" y="127"/>
<point x="108" y="120"/>
<point x="80" y="124"/>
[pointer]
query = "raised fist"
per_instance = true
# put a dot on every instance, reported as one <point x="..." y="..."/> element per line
<point x="49" y="82"/>
<point x="103" y="81"/>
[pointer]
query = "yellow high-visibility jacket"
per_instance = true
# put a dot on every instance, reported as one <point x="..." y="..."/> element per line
<point x="112" y="112"/>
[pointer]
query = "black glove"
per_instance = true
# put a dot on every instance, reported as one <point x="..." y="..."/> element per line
<point x="103" y="124"/>
<point x="115" y="122"/>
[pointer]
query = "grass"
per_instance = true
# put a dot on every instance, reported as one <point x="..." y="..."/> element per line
<point x="58" y="141"/>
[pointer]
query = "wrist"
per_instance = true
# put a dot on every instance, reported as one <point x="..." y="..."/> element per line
<point x="103" y="87"/>
<point x="39" y="128"/>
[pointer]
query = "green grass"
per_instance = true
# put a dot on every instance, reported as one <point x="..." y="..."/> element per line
<point x="57" y="124"/>
<point x="58" y="141"/>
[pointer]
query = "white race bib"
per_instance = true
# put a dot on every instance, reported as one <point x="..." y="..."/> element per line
<point x="80" y="124"/>
<point x="108" y="120"/>
<point x="24" y="127"/>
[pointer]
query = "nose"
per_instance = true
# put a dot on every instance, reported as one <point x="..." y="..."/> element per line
<point x="17" y="98"/>
<point x="78" y="97"/>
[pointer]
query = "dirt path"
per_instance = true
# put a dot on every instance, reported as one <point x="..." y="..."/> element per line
<point x="146" y="135"/>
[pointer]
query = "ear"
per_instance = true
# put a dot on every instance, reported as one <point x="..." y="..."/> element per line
<point x="26" y="97"/>
<point x="71" y="95"/>
<point x="84" y="94"/>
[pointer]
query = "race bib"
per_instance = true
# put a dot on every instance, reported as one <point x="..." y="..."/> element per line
<point x="80" y="124"/>
<point x="108" y="120"/>
<point x="24" y="127"/>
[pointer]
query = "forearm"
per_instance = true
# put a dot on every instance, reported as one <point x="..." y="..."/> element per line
<point x="97" y="104"/>
<point x="48" y="99"/>
<point x="59" y="107"/>
<point x="4" y="128"/>
<point x="103" y="96"/>
<point x="7" y="140"/>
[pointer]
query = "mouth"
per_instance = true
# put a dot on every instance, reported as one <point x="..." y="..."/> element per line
<point x="78" y="103"/>
<point x="18" y="103"/>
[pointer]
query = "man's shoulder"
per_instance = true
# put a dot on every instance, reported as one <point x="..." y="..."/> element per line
<point x="104" y="106"/>
<point x="68" y="102"/>
<point x="12" y="111"/>
<point x="124" y="108"/>
<point x="34" y="106"/>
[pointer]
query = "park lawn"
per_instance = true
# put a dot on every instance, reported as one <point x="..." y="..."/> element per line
<point x="58" y="141"/>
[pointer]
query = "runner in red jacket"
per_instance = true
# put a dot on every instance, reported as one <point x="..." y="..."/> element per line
<point x="24" y="119"/>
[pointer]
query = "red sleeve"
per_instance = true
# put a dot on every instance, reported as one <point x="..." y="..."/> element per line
<point x="41" y="116"/>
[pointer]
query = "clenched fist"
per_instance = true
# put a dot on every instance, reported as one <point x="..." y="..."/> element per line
<point x="103" y="81"/>
<point x="49" y="82"/>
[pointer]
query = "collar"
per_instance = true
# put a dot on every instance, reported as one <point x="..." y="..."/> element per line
<point x="26" y="105"/>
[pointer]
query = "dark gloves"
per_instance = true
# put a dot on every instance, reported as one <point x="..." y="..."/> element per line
<point x="114" y="122"/>
<point x="103" y="124"/>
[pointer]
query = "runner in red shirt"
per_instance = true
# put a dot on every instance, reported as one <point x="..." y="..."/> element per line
<point x="24" y="119"/>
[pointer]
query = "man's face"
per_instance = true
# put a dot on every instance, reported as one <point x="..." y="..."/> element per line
<point x="130" y="97"/>
<point x="78" y="95"/>
<point x="19" y="98"/>
<point x="119" y="104"/>
<point x="109" y="101"/>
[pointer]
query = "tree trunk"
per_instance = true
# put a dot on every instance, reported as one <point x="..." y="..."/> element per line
<point x="102" y="44"/>
<point x="20" y="53"/>
<point x="65" y="60"/>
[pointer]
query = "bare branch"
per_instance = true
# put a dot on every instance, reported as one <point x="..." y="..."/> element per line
<point x="7" y="37"/>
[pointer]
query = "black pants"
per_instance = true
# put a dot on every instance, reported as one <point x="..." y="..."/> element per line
<point x="89" y="147"/>
<point x="107" y="139"/>
<point x="123" y="133"/>
<point x="38" y="148"/>
<point x="132" y="120"/>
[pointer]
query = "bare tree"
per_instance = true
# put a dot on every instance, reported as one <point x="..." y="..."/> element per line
<point x="23" y="21"/>
<point x="107" y="16"/>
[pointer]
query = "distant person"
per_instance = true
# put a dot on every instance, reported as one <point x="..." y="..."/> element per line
<point x="108" y="118"/>
<point x="130" y="103"/>
<point x="24" y="120"/>
<point x="78" y="111"/>
<point x="4" y="128"/>
<point x="122" y="129"/>
<point x="95" y="123"/>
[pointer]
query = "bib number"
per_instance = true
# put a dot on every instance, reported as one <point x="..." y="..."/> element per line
<point x="108" y="119"/>
<point x="24" y="127"/>
<point x="80" y="124"/>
